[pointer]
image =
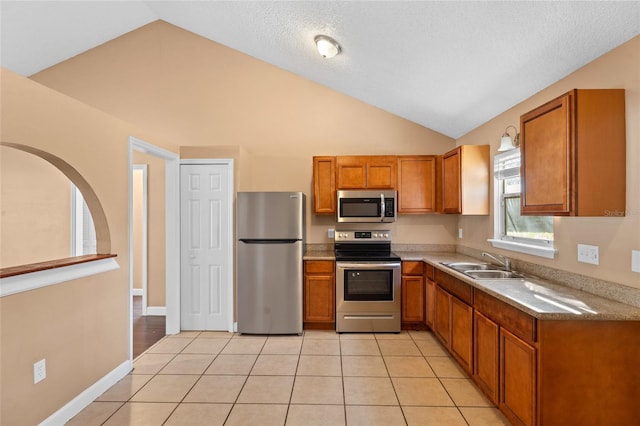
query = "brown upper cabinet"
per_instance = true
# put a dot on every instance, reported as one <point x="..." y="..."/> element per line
<point x="574" y="155"/>
<point x="324" y="185"/>
<point x="465" y="180"/>
<point x="417" y="184"/>
<point x="366" y="172"/>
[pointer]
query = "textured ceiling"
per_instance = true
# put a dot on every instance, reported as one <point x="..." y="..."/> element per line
<point x="449" y="66"/>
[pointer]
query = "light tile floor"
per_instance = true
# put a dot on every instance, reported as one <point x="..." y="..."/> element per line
<point x="321" y="378"/>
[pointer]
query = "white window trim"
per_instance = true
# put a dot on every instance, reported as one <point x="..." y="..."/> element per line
<point x="539" y="250"/>
<point x="548" y="252"/>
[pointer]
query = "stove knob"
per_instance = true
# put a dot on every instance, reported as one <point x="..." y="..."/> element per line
<point x="386" y="235"/>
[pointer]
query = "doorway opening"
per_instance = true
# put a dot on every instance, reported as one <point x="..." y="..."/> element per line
<point x="169" y="245"/>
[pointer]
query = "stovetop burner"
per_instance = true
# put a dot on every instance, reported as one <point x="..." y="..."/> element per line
<point x="362" y="246"/>
<point x="367" y="256"/>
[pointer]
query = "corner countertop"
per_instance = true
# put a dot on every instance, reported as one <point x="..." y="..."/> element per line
<point x="537" y="297"/>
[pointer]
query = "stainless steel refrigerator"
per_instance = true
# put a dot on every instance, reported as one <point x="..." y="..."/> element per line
<point x="270" y="232"/>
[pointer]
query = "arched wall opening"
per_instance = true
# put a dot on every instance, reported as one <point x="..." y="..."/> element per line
<point x="103" y="238"/>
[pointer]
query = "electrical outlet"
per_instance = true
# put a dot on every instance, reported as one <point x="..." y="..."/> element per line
<point x="635" y="260"/>
<point x="39" y="371"/>
<point x="460" y="233"/>
<point x="588" y="254"/>
<point x="331" y="233"/>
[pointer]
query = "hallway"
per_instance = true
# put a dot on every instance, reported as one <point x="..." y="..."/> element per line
<point x="147" y="330"/>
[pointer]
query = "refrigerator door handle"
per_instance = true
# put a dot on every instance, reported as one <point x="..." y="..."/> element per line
<point x="259" y="241"/>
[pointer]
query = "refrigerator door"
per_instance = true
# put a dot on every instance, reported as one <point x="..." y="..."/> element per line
<point x="270" y="215"/>
<point x="270" y="287"/>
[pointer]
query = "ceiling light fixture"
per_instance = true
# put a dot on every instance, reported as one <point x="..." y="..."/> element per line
<point x="506" y="143"/>
<point x="327" y="47"/>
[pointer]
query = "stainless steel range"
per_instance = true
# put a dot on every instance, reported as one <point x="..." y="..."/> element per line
<point x="367" y="282"/>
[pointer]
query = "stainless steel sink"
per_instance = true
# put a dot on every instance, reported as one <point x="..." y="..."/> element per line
<point x="469" y="266"/>
<point x="479" y="270"/>
<point x="492" y="274"/>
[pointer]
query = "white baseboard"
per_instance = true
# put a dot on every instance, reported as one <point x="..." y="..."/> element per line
<point x="157" y="310"/>
<point x="89" y="395"/>
<point x="136" y="292"/>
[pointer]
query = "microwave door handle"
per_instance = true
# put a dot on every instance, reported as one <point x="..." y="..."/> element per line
<point x="382" y="207"/>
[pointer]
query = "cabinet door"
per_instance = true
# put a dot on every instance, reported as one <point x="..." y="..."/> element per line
<point x="451" y="186"/>
<point x="443" y="316"/>
<point x="381" y="173"/>
<point x="417" y="184"/>
<point x="485" y="355"/>
<point x="517" y="379"/>
<point x="546" y="145"/>
<point x="412" y="298"/>
<point x="324" y="185"/>
<point x="462" y="333"/>
<point x="319" y="298"/>
<point x="351" y="173"/>
<point x="430" y="303"/>
<point x="366" y="172"/>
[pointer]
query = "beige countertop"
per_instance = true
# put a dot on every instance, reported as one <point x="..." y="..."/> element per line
<point x="535" y="296"/>
<point x="538" y="297"/>
<point x="319" y="255"/>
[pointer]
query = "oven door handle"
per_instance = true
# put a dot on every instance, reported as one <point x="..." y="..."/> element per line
<point x="370" y="265"/>
<point x="382" y="207"/>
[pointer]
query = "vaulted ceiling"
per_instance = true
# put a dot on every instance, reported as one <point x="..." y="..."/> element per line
<point x="449" y="65"/>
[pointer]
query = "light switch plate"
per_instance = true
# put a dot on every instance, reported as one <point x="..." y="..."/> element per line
<point x="460" y="233"/>
<point x="588" y="254"/>
<point x="331" y="233"/>
<point x="635" y="260"/>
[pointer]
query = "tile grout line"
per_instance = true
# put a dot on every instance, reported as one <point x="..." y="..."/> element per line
<point x="199" y="378"/>
<point x="147" y="382"/>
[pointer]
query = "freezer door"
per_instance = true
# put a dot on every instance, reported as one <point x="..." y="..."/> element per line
<point x="269" y="287"/>
<point x="270" y="215"/>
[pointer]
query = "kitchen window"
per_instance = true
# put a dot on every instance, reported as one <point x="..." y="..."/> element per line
<point x="525" y="234"/>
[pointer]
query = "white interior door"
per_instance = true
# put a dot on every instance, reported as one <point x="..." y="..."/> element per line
<point x="206" y="249"/>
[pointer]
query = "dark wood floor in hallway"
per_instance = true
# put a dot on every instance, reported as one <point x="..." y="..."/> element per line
<point x="147" y="330"/>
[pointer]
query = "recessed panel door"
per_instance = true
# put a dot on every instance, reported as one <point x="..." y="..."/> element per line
<point x="206" y="259"/>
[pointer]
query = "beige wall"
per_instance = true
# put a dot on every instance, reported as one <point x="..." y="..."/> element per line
<point x="202" y="95"/>
<point x="156" y="247"/>
<point x="35" y="199"/>
<point x="616" y="236"/>
<point x="138" y="223"/>
<point x="80" y="327"/>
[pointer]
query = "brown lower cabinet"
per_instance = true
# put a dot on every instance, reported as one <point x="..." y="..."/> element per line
<point x="413" y="298"/>
<point x="430" y="295"/>
<point x="319" y="294"/>
<point x="517" y="379"/>
<point x="486" y="335"/>
<point x="540" y="371"/>
<point x="453" y="323"/>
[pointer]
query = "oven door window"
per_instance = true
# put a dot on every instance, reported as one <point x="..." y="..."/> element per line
<point x="368" y="284"/>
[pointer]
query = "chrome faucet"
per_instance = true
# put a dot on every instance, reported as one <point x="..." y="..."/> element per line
<point x="502" y="260"/>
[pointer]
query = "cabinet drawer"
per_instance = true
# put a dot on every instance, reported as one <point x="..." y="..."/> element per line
<point x="412" y="268"/>
<point x="460" y="289"/>
<point x="319" y="267"/>
<point x="519" y="323"/>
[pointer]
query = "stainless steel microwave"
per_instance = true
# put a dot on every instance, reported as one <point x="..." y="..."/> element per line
<point x="368" y="206"/>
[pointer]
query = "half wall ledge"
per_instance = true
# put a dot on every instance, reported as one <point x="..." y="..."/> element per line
<point x="17" y="279"/>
